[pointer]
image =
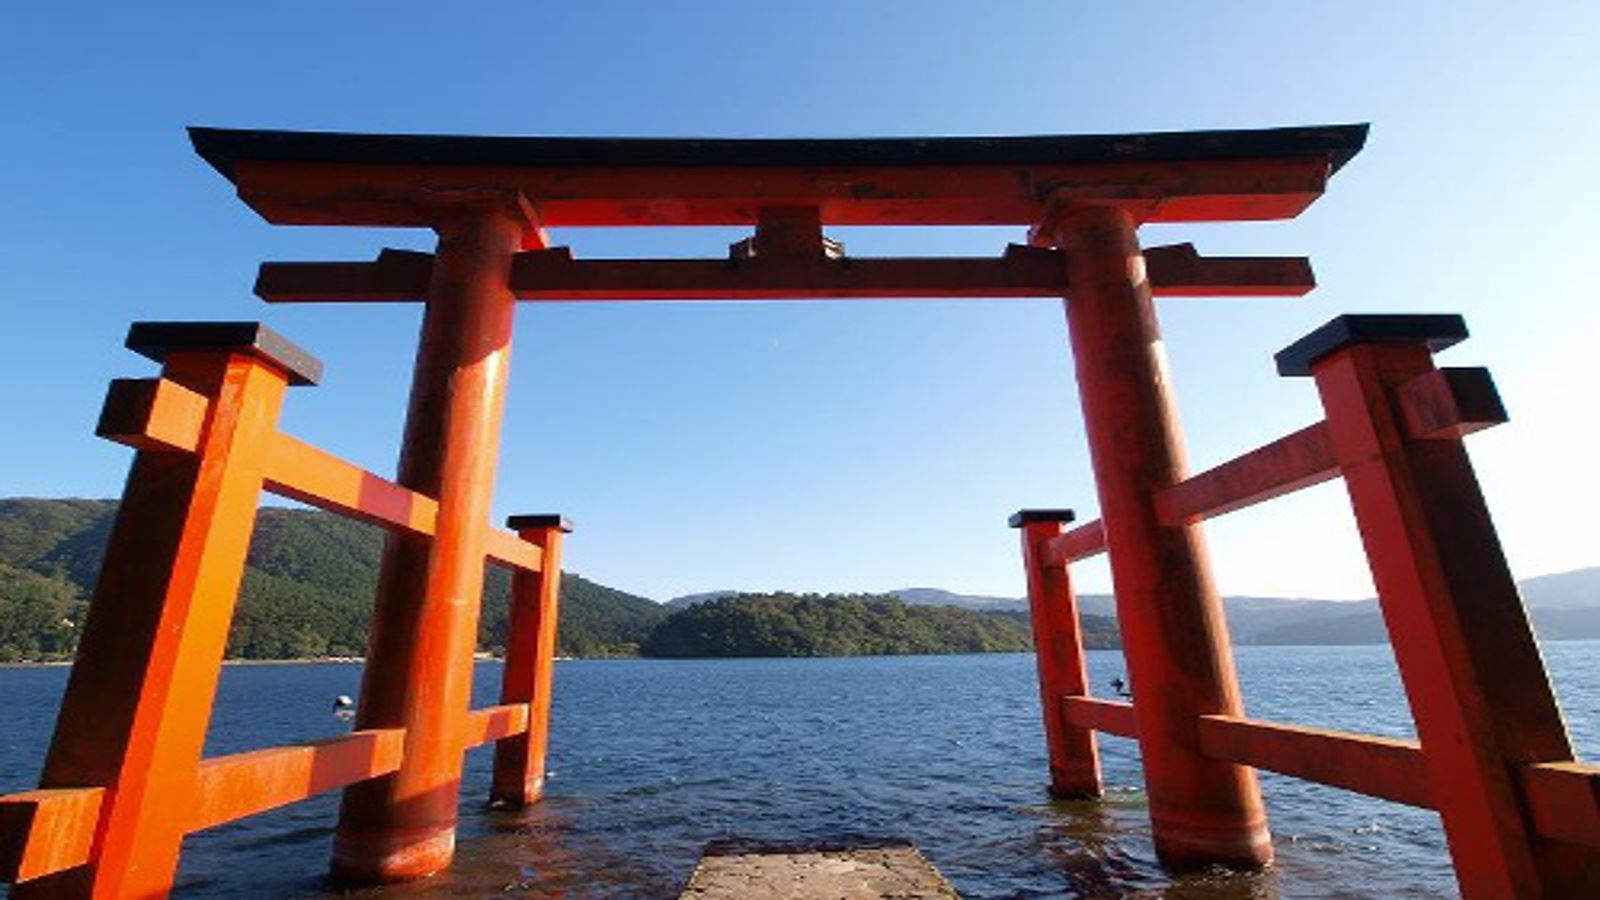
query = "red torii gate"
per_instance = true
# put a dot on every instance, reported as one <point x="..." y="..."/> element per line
<point x="208" y="446"/>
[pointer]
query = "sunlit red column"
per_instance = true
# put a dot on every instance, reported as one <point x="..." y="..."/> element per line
<point x="1174" y="637"/>
<point x="519" y="760"/>
<point x="419" y="666"/>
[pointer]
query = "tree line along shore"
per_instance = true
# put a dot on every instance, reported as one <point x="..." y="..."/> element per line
<point x="310" y="578"/>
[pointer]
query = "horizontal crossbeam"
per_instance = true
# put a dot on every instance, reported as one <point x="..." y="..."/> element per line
<point x="555" y="276"/>
<point x="1390" y="768"/>
<point x="1438" y="404"/>
<point x="1109" y="716"/>
<point x="1564" y="801"/>
<point x="315" y="193"/>
<point x="313" y="476"/>
<point x="1088" y="539"/>
<point x="161" y="415"/>
<point x="47" y="830"/>
<point x="492" y="723"/>
<point x="243" y="784"/>
<point x="1288" y="464"/>
<point x="51" y="830"/>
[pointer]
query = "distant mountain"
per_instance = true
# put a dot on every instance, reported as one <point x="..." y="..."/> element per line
<point x="689" y="600"/>
<point x="308" y="588"/>
<point x="935" y="597"/>
<point x="1579" y="589"/>
<point x="1363" y="627"/>
<point x="1247" y="616"/>
<point x="1564" y="606"/>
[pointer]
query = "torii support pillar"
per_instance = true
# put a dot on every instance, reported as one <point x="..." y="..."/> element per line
<point x="419" y="664"/>
<point x="1203" y="811"/>
<point x="1058" y="654"/>
<point x="138" y="702"/>
<point x="530" y="662"/>
<point x="1479" y="696"/>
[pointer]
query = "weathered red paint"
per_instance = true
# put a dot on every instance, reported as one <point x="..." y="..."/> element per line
<point x="47" y="830"/>
<point x="1088" y="539"/>
<point x="553" y="275"/>
<point x="1286" y="465"/>
<point x="1174" y="636"/>
<point x="419" y="666"/>
<point x="1476" y="684"/>
<point x="1058" y="651"/>
<point x="1390" y="768"/>
<point x="312" y="193"/>
<point x="1110" y="716"/>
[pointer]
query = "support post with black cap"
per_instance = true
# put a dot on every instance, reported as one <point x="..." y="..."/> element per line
<point x="1058" y="652"/>
<point x="1477" y="687"/>
<point x="519" y="760"/>
<point x="138" y="701"/>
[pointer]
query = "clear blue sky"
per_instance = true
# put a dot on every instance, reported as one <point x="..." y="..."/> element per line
<point x="823" y="446"/>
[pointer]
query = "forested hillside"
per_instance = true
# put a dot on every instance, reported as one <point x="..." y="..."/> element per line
<point x="307" y="591"/>
<point x="830" y="625"/>
<point x="310" y="579"/>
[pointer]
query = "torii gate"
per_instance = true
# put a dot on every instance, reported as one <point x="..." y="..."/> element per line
<point x="1521" y="816"/>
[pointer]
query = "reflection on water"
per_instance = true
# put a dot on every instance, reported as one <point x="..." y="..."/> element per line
<point x="652" y="760"/>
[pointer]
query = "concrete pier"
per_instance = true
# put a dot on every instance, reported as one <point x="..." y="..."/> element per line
<point x="856" y="872"/>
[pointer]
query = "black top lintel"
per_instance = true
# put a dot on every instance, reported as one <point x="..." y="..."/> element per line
<point x="1029" y="516"/>
<point x="224" y="148"/>
<point x="1437" y="330"/>
<point x="532" y="521"/>
<point x="157" y="340"/>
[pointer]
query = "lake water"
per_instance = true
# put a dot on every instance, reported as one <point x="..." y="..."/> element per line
<point x="652" y="759"/>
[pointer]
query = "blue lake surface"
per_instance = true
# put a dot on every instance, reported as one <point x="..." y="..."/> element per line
<point x="652" y="759"/>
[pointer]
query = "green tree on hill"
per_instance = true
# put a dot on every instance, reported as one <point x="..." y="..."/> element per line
<point x="829" y="625"/>
<point x="308" y="587"/>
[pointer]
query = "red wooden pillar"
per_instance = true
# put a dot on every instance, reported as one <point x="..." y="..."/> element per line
<point x="530" y="662"/>
<point x="1058" y="652"/>
<point x="1477" y="687"/>
<point x="138" y="701"/>
<point x="419" y="665"/>
<point x="1174" y="636"/>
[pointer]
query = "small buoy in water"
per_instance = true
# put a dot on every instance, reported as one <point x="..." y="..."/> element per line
<point x="344" y="707"/>
<point x="1121" y="687"/>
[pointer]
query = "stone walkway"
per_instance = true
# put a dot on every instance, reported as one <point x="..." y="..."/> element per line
<point x="855" y="873"/>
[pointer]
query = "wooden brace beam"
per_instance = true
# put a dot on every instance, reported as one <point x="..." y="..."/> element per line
<point x="243" y="784"/>
<point x="1449" y="403"/>
<point x="47" y="830"/>
<point x="1288" y="464"/>
<point x="155" y="413"/>
<point x="1088" y="539"/>
<point x="1198" y="190"/>
<point x="554" y="275"/>
<point x="1109" y="716"/>
<point x="1564" y="801"/>
<point x="1390" y="768"/>
<point x="493" y="723"/>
